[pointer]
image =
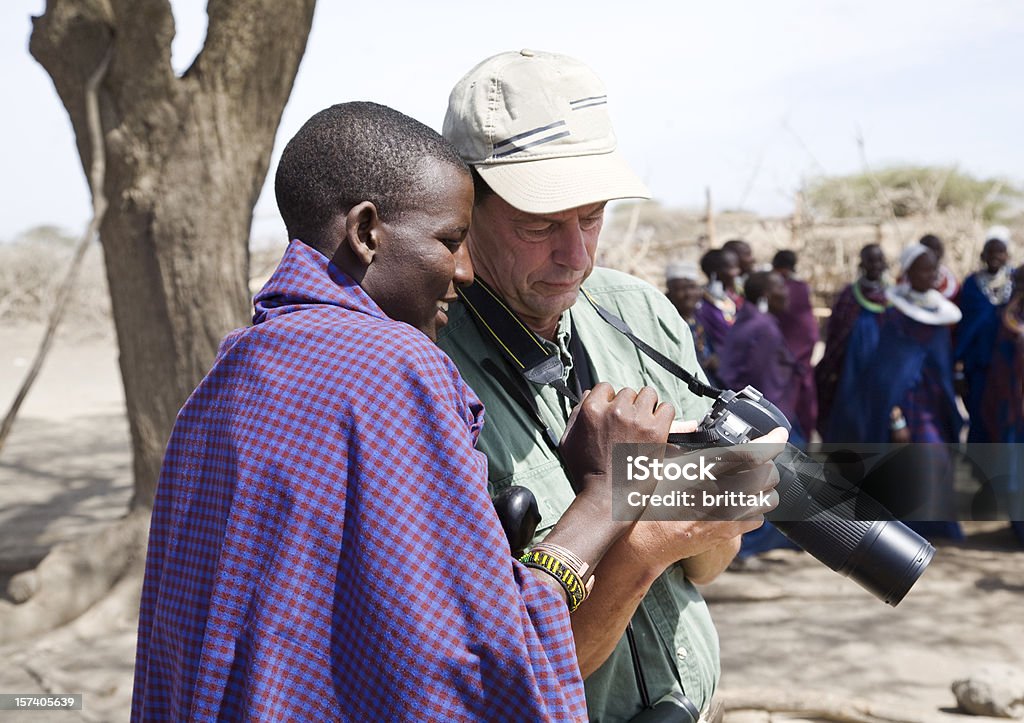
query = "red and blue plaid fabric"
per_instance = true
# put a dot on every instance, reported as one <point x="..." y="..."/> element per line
<point x="323" y="546"/>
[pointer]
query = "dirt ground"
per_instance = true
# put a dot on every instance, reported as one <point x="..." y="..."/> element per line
<point x="794" y="634"/>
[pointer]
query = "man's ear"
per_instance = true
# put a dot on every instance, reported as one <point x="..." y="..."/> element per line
<point x="363" y="232"/>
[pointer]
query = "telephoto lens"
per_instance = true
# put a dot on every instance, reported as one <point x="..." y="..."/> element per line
<point x="846" y="529"/>
<point x="836" y="523"/>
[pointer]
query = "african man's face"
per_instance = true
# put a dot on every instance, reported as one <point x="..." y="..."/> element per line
<point x="777" y="294"/>
<point x="684" y="294"/>
<point x="923" y="272"/>
<point x="421" y="256"/>
<point x="744" y="257"/>
<point x="729" y="269"/>
<point x="873" y="263"/>
<point x="994" y="256"/>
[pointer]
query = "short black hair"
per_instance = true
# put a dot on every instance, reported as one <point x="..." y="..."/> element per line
<point x="712" y="261"/>
<point x="866" y="249"/>
<point x="934" y="243"/>
<point x="784" y="259"/>
<point x="347" y="154"/>
<point x="757" y="285"/>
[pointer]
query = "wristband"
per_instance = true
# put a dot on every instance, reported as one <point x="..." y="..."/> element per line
<point x="569" y="572"/>
<point x="570" y="558"/>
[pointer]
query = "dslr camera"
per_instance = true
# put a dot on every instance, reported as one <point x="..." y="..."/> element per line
<point x="838" y="524"/>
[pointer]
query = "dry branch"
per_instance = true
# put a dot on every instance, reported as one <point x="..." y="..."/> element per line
<point x="887" y="203"/>
<point x="97" y="174"/>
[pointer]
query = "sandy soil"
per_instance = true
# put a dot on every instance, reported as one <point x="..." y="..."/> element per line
<point x="790" y="629"/>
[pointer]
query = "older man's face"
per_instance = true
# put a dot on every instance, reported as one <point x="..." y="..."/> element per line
<point x="536" y="262"/>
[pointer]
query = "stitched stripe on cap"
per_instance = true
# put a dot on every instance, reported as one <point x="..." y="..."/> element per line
<point x="517" y="149"/>
<point x="510" y="140"/>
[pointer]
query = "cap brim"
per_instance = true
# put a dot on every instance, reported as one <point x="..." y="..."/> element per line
<point x="547" y="185"/>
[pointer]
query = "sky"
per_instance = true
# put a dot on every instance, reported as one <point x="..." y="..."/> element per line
<point x="749" y="99"/>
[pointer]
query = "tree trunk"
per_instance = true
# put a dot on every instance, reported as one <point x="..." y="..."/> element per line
<point x="186" y="159"/>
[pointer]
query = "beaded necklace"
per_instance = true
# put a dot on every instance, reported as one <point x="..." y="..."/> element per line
<point x="927" y="307"/>
<point x="996" y="287"/>
<point x="873" y="306"/>
<point x="724" y="304"/>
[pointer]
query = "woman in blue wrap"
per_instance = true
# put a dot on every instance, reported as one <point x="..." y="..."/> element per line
<point x="910" y="396"/>
<point x="982" y="299"/>
<point x="850" y="346"/>
<point x="1002" y="407"/>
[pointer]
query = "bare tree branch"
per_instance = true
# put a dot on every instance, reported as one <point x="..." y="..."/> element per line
<point x="148" y="25"/>
<point x="91" y="24"/>
<point x="887" y="203"/>
<point x="239" y="41"/>
<point x="932" y="201"/>
<point x="99" y="208"/>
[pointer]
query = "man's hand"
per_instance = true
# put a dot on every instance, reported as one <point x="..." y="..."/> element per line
<point x="647" y="549"/>
<point x="657" y="542"/>
<point x="603" y="419"/>
<point x="600" y="421"/>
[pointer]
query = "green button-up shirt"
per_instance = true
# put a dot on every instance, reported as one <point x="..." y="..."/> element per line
<point x="677" y="639"/>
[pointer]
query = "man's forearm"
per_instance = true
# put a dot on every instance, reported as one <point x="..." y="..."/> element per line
<point x="621" y="581"/>
<point x="702" y="569"/>
<point x="630" y="568"/>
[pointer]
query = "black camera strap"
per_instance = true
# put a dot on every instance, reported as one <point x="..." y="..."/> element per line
<point x="539" y="364"/>
<point x="695" y="385"/>
<point x="529" y="355"/>
<point x="698" y="438"/>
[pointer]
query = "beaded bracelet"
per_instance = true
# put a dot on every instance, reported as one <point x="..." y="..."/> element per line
<point x="565" y="567"/>
<point x="564" y="554"/>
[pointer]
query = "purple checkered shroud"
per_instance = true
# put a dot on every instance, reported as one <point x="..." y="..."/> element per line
<point x="322" y="544"/>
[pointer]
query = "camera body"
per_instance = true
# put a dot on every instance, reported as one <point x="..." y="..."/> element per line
<point x="738" y="417"/>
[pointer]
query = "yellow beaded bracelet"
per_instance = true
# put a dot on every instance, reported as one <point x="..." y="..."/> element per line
<point x="544" y="558"/>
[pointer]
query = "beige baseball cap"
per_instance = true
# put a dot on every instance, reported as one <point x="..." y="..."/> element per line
<point x="535" y="126"/>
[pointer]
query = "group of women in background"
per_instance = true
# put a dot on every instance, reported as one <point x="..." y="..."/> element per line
<point x="896" y="358"/>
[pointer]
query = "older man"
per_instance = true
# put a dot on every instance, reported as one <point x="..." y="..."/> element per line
<point x="534" y="127"/>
